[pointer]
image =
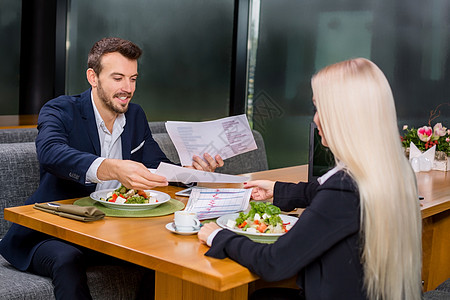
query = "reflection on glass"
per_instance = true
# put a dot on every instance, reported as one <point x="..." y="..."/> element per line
<point x="184" y="73"/>
<point x="297" y="38"/>
<point x="10" y="18"/>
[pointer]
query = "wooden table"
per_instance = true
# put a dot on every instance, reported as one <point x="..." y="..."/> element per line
<point x="435" y="187"/>
<point x="182" y="270"/>
<point x="18" y="121"/>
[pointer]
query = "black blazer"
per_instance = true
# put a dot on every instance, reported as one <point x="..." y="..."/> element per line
<point x="322" y="248"/>
<point x="66" y="146"/>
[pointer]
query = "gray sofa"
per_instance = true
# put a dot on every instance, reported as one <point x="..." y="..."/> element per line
<point x="19" y="176"/>
<point x="253" y="161"/>
<point x="23" y="135"/>
<point x="18" y="135"/>
<point x="442" y="292"/>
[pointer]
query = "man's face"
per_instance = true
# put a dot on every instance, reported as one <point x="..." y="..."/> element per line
<point x="116" y="82"/>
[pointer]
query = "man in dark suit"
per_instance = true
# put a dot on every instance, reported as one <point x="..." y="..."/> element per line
<point x="89" y="142"/>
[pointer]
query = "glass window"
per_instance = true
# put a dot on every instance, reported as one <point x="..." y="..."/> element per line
<point x="184" y="73"/>
<point x="409" y="42"/>
<point x="10" y="18"/>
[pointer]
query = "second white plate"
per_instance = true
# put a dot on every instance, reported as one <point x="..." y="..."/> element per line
<point x="257" y="237"/>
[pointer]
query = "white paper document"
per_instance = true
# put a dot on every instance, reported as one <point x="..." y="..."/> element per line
<point x="227" y="137"/>
<point x="213" y="203"/>
<point x="180" y="174"/>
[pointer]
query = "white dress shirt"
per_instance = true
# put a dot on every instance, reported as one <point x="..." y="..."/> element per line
<point x="110" y="145"/>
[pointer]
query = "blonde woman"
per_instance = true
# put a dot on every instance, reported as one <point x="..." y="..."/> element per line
<point x="360" y="234"/>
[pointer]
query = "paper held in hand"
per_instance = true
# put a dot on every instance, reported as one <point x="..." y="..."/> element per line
<point x="213" y="203"/>
<point x="185" y="175"/>
<point x="227" y="137"/>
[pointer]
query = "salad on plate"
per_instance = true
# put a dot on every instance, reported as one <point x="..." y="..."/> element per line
<point x="123" y="195"/>
<point x="261" y="218"/>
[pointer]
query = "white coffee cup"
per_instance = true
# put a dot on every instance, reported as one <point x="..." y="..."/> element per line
<point x="186" y="220"/>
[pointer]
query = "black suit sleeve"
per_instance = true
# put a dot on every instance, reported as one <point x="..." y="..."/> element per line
<point x="289" y="196"/>
<point x="331" y="218"/>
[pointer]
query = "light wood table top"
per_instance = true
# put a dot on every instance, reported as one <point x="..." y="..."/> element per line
<point x="182" y="269"/>
<point x="434" y="186"/>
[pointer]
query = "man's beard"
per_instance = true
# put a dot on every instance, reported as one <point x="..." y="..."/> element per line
<point x="120" y="108"/>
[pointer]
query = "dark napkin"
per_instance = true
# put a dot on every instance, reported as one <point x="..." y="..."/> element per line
<point x="80" y="213"/>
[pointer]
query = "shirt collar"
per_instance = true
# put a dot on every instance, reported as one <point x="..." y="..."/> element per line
<point x="322" y="179"/>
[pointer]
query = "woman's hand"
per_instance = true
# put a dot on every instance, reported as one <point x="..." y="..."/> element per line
<point x="206" y="230"/>
<point x="262" y="189"/>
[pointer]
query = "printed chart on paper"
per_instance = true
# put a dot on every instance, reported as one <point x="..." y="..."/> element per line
<point x="213" y="203"/>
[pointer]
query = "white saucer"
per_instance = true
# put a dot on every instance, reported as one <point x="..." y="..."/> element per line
<point x="170" y="226"/>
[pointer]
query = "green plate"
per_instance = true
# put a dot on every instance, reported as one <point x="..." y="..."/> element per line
<point x="166" y="208"/>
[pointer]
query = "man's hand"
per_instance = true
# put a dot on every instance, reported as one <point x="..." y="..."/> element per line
<point x="131" y="174"/>
<point x="208" y="163"/>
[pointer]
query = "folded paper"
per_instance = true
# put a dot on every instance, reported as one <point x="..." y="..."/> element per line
<point x="86" y="213"/>
<point x="185" y="175"/>
<point x="421" y="161"/>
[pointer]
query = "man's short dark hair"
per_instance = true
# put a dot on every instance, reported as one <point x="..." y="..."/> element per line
<point x="110" y="45"/>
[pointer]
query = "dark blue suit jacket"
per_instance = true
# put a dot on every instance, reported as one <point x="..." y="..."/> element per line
<point x="322" y="248"/>
<point x="66" y="146"/>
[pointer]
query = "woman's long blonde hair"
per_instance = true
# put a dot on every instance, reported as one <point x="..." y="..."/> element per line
<point x="358" y="118"/>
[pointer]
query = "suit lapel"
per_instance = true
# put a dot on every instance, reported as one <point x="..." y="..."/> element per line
<point x="87" y="114"/>
<point x="126" y="141"/>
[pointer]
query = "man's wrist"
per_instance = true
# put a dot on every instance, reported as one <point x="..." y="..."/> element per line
<point x="91" y="174"/>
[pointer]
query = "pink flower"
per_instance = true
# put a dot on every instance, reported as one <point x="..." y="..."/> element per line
<point x="424" y="133"/>
<point x="447" y="140"/>
<point x="439" y="130"/>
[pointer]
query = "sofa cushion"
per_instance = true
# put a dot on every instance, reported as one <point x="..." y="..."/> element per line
<point x="18" y="135"/>
<point x="157" y="127"/>
<point x="24" y="135"/>
<point x="19" y="175"/>
<point x="105" y="282"/>
<point x="23" y="285"/>
<point x="442" y="292"/>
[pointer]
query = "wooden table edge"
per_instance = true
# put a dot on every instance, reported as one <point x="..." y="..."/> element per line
<point x="159" y="265"/>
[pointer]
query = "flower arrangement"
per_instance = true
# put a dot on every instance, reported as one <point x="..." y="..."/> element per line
<point x="426" y="137"/>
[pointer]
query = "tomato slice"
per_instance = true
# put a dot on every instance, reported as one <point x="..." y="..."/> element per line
<point x="242" y="224"/>
<point x="262" y="227"/>
<point x="113" y="198"/>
